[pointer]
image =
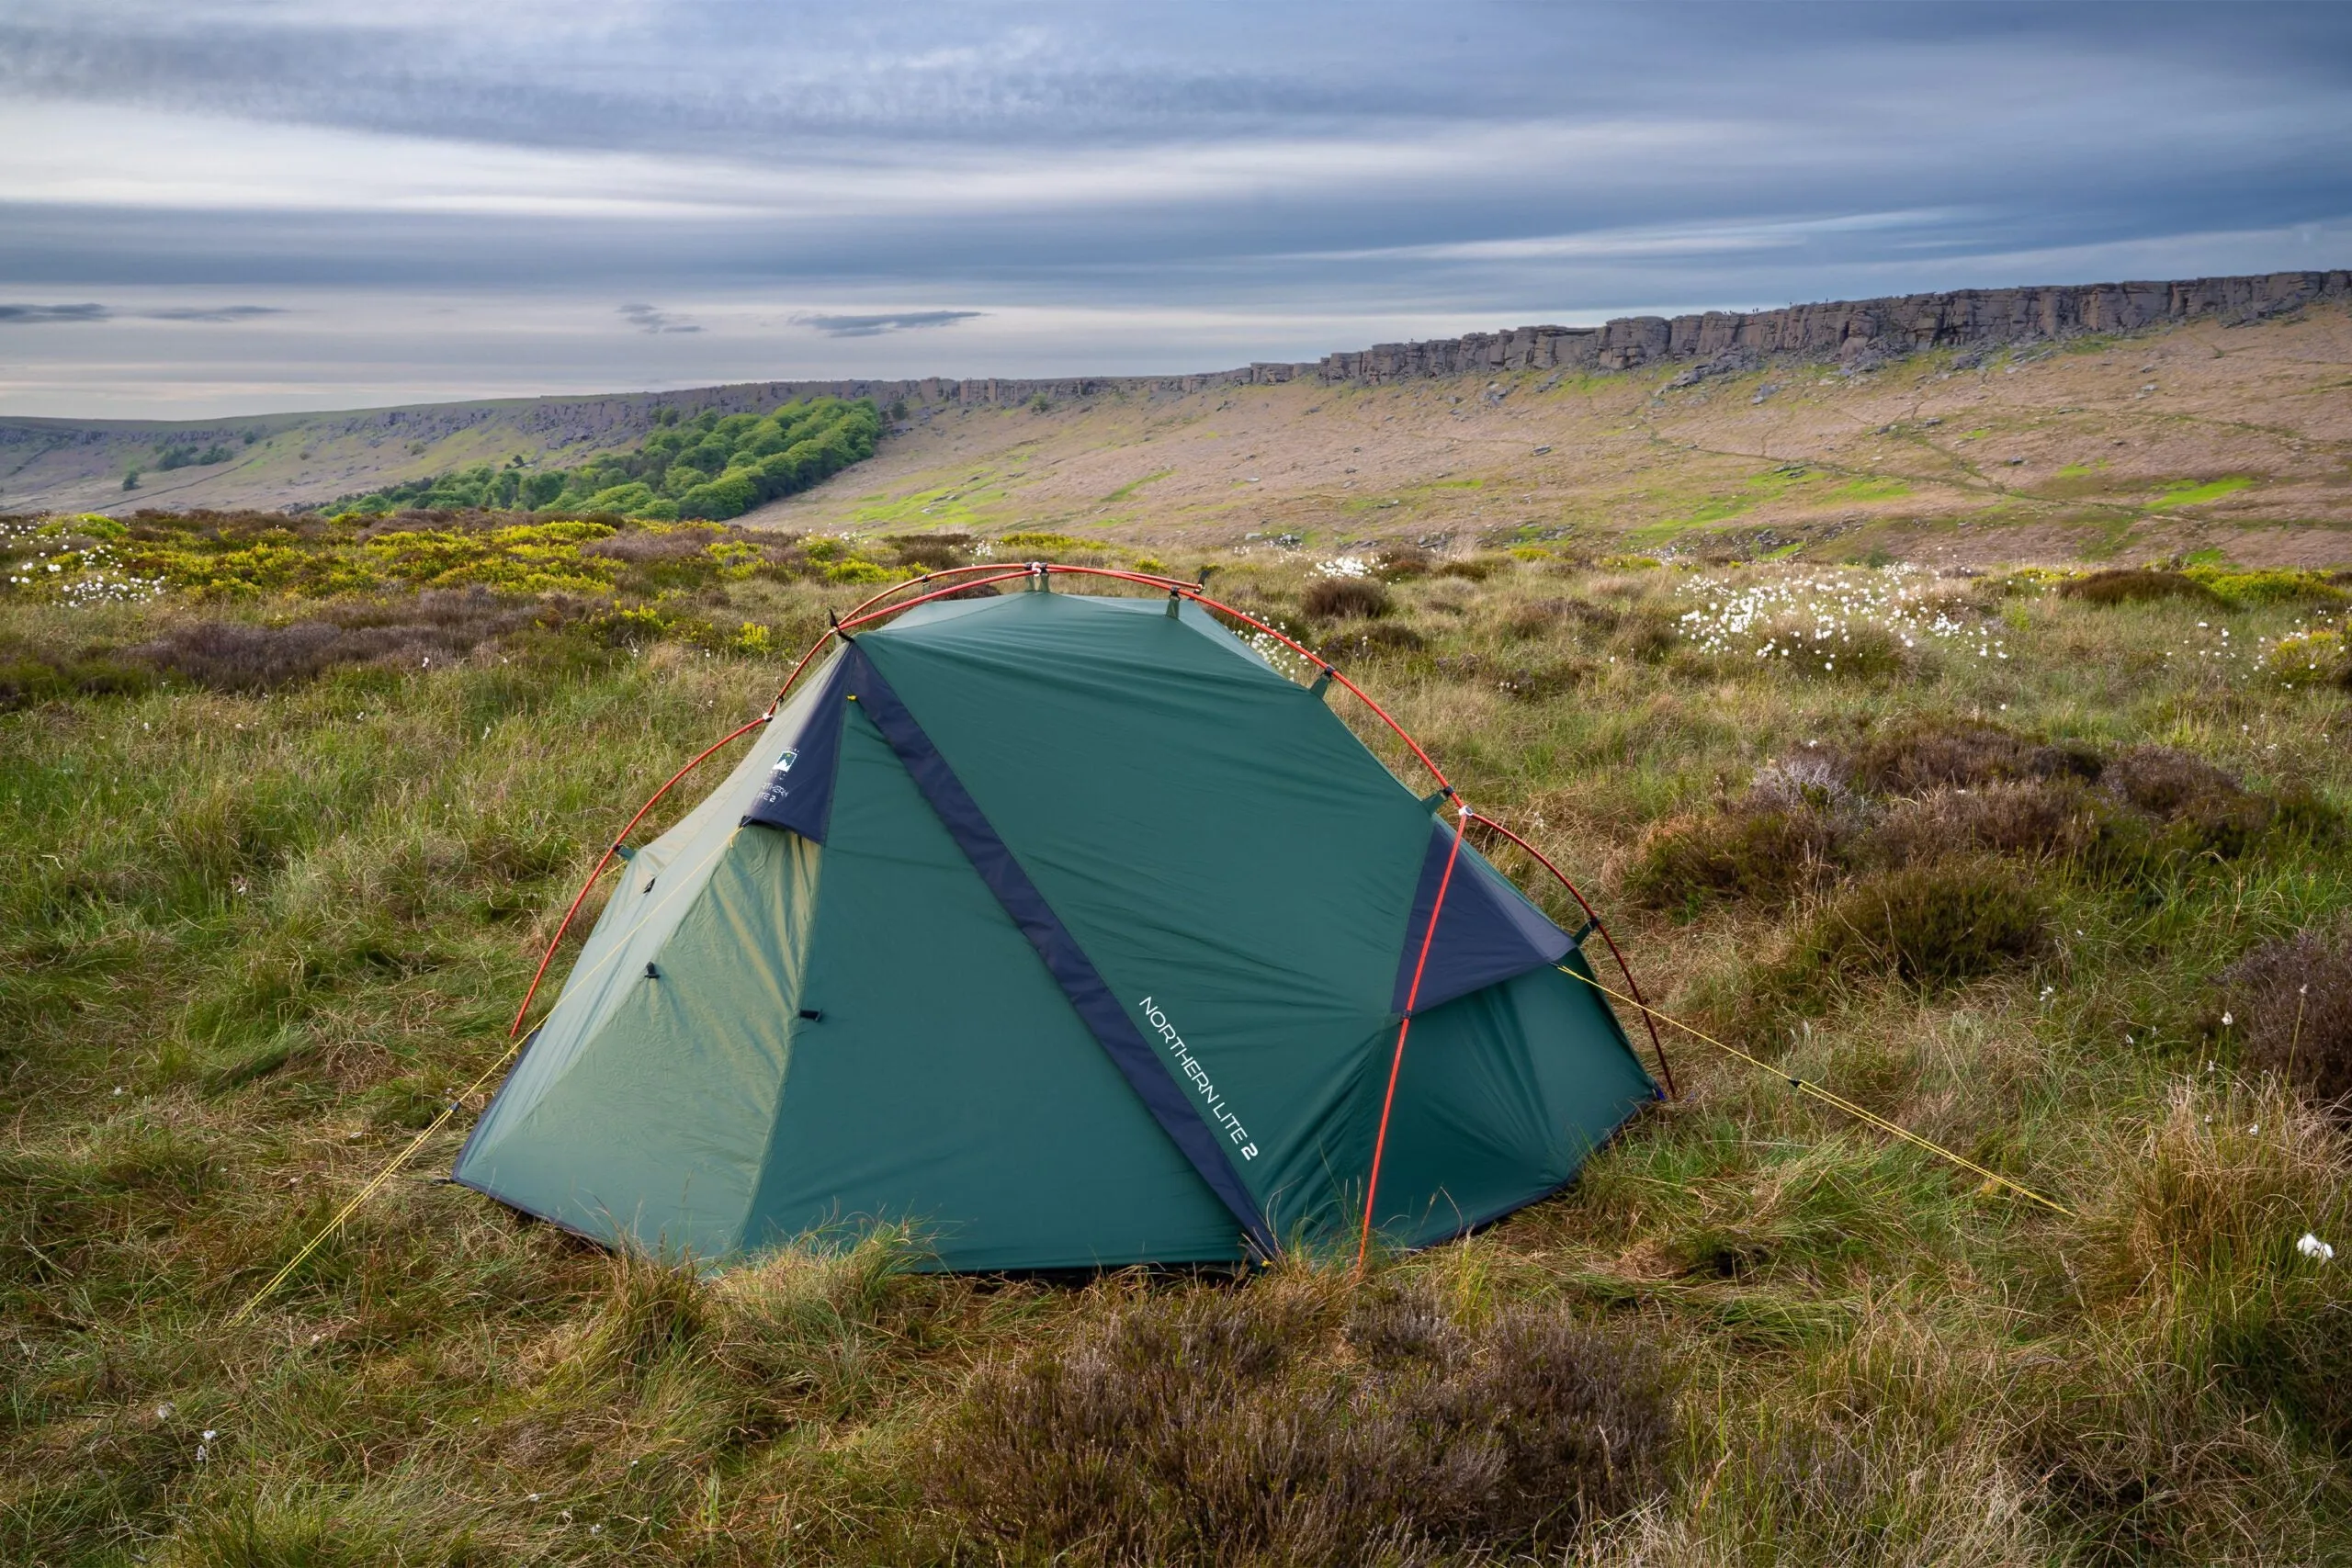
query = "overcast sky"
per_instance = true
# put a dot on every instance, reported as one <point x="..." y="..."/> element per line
<point x="208" y="207"/>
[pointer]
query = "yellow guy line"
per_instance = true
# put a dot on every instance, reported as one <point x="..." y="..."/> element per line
<point x="369" y="1191"/>
<point x="441" y="1121"/>
<point x="1839" y="1101"/>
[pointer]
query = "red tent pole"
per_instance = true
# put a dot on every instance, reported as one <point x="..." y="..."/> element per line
<point x="606" y="859"/>
<point x="1404" y="1026"/>
<point x="1601" y="926"/>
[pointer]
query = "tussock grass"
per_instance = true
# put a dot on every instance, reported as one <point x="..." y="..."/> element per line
<point x="268" y="907"/>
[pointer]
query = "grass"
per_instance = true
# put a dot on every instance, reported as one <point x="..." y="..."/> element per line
<point x="1132" y="486"/>
<point x="271" y="895"/>
<point x="2195" y="493"/>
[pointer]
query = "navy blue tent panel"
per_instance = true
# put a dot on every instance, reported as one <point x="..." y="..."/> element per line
<point x="1487" y="932"/>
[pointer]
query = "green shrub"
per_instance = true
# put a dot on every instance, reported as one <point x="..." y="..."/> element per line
<point x="1345" y="598"/>
<point x="2291" y="1005"/>
<point x="1931" y="926"/>
<point x="707" y="467"/>
<point x="2272" y="586"/>
<point x="1528" y="683"/>
<point x="931" y="552"/>
<point x="2194" y="806"/>
<point x="1925" y="754"/>
<point x="2032" y="819"/>
<point x="1762" y="853"/>
<point x="1373" y="638"/>
<point x="1034" y="542"/>
<point x="2135" y="585"/>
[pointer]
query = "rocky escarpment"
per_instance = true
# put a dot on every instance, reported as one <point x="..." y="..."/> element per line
<point x="1855" y="333"/>
<point x="1868" y="330"/>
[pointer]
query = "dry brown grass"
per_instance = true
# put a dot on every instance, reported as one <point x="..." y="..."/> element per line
<point x="1306" y="1423"/>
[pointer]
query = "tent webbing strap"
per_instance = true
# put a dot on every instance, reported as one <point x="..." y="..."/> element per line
<point x="1090" y="995"/>
<point x="1838" y="1102"/>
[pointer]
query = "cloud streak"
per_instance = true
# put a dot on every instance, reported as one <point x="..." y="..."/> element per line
<point x="875" y="326"/>
<point x="647" y="319"/>
<point x="31" y="315"/>
<point x="41" y="315"/>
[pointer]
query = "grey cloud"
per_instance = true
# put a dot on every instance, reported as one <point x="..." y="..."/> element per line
<point x="211" y="312"/>
<point x="875" y="326"/>
<point x="29" y="315"/>
<point x="727" y="79"/>
<point x="647" y="319"/>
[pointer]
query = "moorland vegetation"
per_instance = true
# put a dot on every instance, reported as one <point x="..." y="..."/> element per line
<point x="2056" y="874"/>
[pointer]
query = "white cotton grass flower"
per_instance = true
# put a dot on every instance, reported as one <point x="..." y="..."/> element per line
<point x="1344" y="566"/>
<point x="2310" y="1247"/>
<point x="64" y="567"/>
<point x="1808" y="615"/>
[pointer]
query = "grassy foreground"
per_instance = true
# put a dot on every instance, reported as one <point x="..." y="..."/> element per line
<point x="2053" y="871"/>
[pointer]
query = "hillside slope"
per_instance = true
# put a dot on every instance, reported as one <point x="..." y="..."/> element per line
<point x="2204" y="435"/>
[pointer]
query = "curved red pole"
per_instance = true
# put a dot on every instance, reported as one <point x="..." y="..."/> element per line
<point x="1192" y="591"/>
<point x="858" y="615"/>
<point x="1004" y="574"/>
<point x="606" y="859"/>
<point x="1601" y="926"/>
<point x="1403" y="1025"/>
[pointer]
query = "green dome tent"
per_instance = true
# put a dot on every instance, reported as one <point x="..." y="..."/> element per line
<point x="1069" y="930"/>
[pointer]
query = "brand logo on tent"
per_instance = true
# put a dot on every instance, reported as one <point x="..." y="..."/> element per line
<point x="1213" y="1102"/>
<point x="784" y="763"/>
